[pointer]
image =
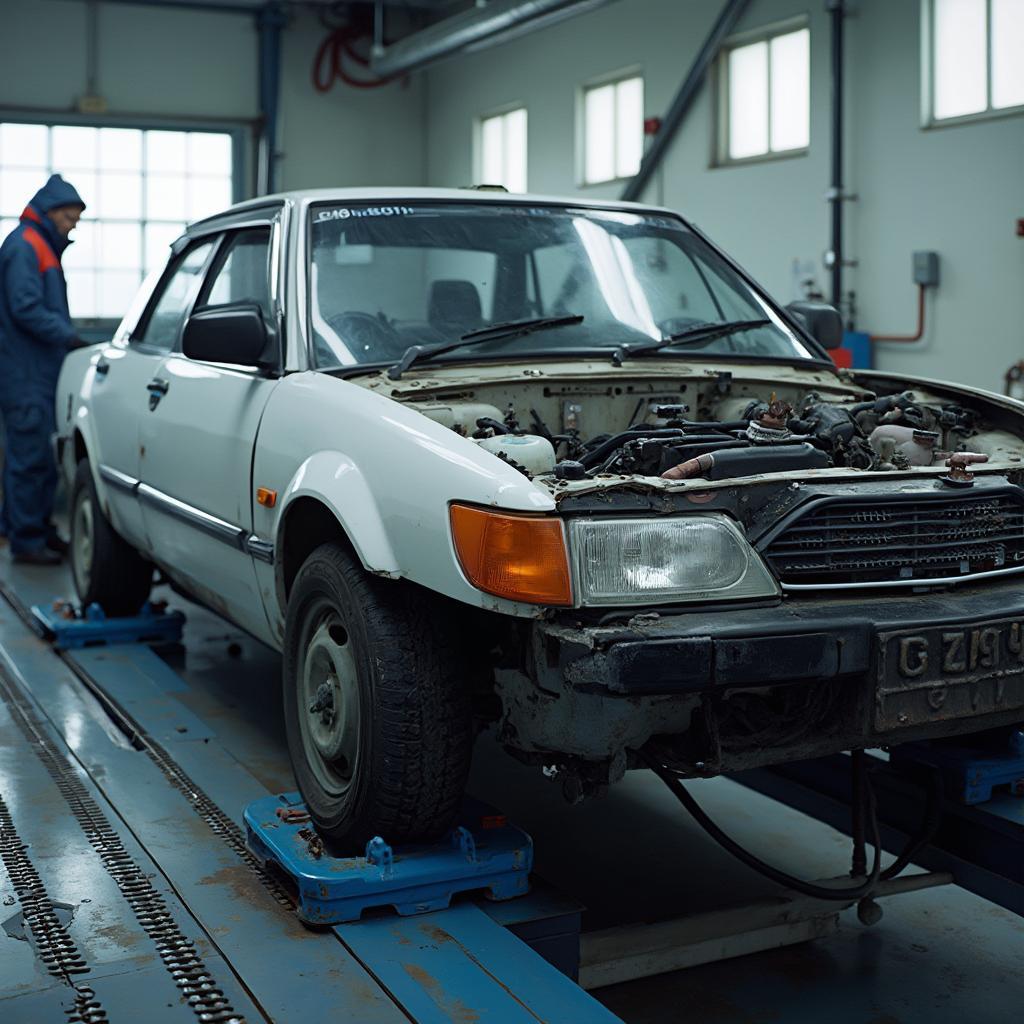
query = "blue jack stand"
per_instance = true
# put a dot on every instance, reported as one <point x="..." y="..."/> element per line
<point x="70" y="629"/>
<point x="970" y="773"/>
<point x="483" y="852"/>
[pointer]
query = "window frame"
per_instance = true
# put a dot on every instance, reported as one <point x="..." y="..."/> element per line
<point x="221" y="252"/>
<point x="139" y="344"/>
<point x="928" y="118"/>
<point x="101" y="328"/>
<point x="720" y="85"/>
<point x="610" y="78"/>
<point x="478" y="142"/>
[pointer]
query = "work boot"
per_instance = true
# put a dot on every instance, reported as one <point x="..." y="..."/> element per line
<point x="55" y="542"/>
<point x="37" y="556"/>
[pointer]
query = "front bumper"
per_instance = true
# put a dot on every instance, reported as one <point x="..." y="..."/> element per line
<point x="797" y="639"/>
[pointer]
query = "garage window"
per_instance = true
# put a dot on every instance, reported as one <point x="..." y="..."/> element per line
<point x="613" y="129"/>
<point x="765" y="95"/>
<point x="974" y="50"/>
<point x="141" y="187"/>
<point x="503" y="150"/>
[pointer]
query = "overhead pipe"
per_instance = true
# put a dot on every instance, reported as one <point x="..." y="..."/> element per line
<point x="680" y="107"/>
<point x="473" y="30"/>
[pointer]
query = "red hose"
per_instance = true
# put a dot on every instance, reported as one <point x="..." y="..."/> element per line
<point x="329" y="62"/>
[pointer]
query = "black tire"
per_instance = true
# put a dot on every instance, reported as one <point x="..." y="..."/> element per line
<point x="396" y="767"/>
<point x="107" y="570"/>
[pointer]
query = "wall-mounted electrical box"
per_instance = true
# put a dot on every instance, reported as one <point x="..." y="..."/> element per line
<point x="926" y="269"/>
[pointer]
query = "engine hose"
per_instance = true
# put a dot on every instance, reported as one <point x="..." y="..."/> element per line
<point x="844" y="895"/>
<point x="929" y="826"/>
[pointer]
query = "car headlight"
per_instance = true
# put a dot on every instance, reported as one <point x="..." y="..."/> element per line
<point x="689" y="558"/>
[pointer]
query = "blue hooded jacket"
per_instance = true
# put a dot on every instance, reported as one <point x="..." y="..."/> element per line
<point x="35" y="325"/>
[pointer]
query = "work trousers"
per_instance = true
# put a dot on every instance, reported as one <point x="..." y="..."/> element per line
<point x="30" y="472"/>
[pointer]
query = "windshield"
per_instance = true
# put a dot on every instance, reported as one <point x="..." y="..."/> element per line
<point x="384" y="278"/>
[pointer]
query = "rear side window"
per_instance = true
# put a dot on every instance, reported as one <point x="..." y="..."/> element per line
<point x="162" y="324"/>
<point x="241" y="272"/>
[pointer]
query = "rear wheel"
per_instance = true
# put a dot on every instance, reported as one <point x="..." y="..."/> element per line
<point x="107" y="570"/>
<point x="376" y="710"/>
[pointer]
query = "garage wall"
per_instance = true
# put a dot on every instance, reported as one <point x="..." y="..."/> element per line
<point x="957" y="190"/>
<point x="346" y="136"/>
<point x="182" y="64"/>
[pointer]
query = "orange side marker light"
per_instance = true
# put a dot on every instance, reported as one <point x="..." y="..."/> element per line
<point x="266" y="497"/>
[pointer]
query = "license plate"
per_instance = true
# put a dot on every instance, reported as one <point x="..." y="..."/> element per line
<point x="933" y="675"/>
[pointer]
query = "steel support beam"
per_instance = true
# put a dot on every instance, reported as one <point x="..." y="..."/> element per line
<point x="270" y="21"/>
<point x="680" y="107"/>
<point x="835" y="192"/>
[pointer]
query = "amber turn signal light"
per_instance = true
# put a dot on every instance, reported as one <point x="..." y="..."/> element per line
<point x="266" y="497"/>
<point x="518" y="557"/>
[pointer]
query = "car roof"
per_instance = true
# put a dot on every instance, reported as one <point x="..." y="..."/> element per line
<point x="394" y="194"/>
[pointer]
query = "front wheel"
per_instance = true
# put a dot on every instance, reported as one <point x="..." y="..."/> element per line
<point x="107" y="570"/>
<point x="377" y="713"/>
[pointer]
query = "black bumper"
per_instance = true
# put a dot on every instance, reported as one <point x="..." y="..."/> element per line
<point x="798" y="639"/>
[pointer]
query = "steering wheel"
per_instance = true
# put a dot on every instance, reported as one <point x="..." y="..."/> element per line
<point x="367" y="335"/>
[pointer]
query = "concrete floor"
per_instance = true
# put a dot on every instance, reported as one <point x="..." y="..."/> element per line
<point x="937" y="956"/>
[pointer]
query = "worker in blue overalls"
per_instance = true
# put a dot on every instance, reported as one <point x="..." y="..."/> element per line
<point x="35" y="334"/>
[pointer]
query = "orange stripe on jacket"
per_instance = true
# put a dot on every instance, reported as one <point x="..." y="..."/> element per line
<point x="44" y="254"/>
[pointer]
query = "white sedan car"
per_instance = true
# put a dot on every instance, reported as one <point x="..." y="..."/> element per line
<point x="559" y="467"/>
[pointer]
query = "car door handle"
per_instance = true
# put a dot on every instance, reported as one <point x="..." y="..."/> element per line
<point x="102" y="368"/>
<point x="157" y="388"/>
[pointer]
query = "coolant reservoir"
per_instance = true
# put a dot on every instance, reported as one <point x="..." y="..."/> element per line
<point x="535" y="454"/>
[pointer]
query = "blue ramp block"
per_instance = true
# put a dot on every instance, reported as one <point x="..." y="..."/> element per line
<point x="69" y="628"/>
<point x="482" y="852"/>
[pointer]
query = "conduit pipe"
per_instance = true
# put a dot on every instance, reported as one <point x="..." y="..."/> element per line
<point x="920" y="323"/>
<point x="475" y="29"/>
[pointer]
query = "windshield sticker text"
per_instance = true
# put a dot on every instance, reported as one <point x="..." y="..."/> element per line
<point x="345" y="212"/>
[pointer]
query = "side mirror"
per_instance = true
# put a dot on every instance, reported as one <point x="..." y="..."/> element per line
<point x="822" y="321"/>
<point x="235" y="334"/>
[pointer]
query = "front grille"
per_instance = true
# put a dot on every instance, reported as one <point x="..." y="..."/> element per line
<point x="898" y="540"/>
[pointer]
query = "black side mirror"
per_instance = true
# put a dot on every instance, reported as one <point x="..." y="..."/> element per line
<point x="235" y="334"/>
<point x="822" y="321"/>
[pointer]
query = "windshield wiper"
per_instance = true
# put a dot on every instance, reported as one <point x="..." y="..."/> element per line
<point x="509" y="329"/>
<point x="699" y="332"/>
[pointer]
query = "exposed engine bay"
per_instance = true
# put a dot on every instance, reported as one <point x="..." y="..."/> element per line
<point x="719" y="428"/>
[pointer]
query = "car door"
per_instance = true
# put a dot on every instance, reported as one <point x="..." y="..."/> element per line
<point x="196" y="489"/>
<point x="124" y="372"/>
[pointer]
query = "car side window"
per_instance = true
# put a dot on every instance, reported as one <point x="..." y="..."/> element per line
<point x="241" y="272"/>
<point x="162" y="324"/>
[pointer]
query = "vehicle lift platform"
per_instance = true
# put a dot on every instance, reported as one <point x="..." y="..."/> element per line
<point x="147" y="873"/>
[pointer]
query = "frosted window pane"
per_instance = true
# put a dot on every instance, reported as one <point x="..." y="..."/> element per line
<point x="82" y="253"/>
<point x="492" y="151"/>
<point x="6" y="227"/>
<point x="165" y="197"/>
<point x="629" y="126"/>
<point x="748" y="100"/>
<point x="599" y="133"/>
<point x="208" y="196"/>
<point x="75" y="148"/>
<point x="120" y="149"/>
<point x="17" y="188"/>
<point x="120" y="195"/>
<point x="209" y="153"/>
<point x="959" y="58"/>
<point x="1007" y="53"/>
<point x="165" y="152"/>
<point x="791" y="90"/>
<point x="117" y="288"/>
<point x="120" y="245"/>
<point x="23" y="145"/>
<point x="81" y="293"/>
<point x="158" y="240"/>
<point x="515" y="151"/>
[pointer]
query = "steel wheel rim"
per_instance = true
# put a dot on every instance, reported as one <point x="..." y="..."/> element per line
<point x="328" y="681"/>
<point x="82" y="527"/>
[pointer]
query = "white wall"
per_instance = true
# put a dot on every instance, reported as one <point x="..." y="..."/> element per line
<point x="957" y="190"/>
